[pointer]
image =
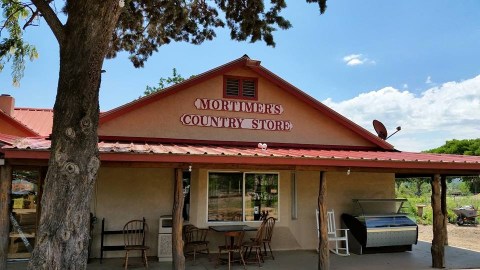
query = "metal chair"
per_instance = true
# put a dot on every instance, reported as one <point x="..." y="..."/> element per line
<point x="134" y="237"/>
<point x="195" y="241"/>
<point x="333" y="236"/>
<point x="233" y="245"/>
<point x="267" y="228"/>
<point x="255" y="243"/>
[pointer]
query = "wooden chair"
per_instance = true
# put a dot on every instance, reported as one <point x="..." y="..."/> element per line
<point x="255" y="243"/>
<point x="267" y="228"/>
<point x="134" y="237"/>
<point x="333" y="236"/>
<point x="195" y="240"/>
<point x="233" y="245"/>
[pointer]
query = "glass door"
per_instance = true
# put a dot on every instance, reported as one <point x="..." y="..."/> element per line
<point x="23" y="215"/>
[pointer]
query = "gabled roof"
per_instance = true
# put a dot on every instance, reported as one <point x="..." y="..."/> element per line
<point x="255" y="66"/>
<point x="38" y="120"/>
<point x="17" y="124"/>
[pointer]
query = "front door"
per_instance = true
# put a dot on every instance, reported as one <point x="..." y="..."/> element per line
<point x="25" y="197"/>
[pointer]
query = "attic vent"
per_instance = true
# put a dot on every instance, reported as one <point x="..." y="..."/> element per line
<point x="232" y="89"/>
<point x="239" y="87"/>
<point x="248" y="89"/>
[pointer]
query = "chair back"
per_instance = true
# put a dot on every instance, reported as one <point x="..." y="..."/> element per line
<point x="134" y="233"/>
<point x="268" y="226"/>
<point x="331" y="227"/>
<point x="193" y="234"/>
<point x="259" y="236"/>
<point x="187" y="232"/>
<point x="234" y="240"/>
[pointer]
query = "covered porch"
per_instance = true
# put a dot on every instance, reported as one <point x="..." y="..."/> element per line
<point x="315" y="168"/>
<point x="418" y="258"/>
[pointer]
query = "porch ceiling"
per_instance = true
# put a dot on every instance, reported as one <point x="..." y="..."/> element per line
<point x="400" y="162"/>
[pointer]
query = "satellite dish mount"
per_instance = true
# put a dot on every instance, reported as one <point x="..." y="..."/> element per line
<point x="382" y="131"/>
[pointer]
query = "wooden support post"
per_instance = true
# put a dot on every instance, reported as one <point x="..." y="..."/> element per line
<point x="323" y="251"/>
<point x="438" y="242"/>
<point x="5" y="190"/>
<point x="177" y="219"/>
<point x="444" y="208"/>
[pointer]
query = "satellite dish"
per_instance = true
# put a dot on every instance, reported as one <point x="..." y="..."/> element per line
<point x="380" y="129"/>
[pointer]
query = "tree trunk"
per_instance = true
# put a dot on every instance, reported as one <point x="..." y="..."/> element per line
<point x="419" y="183"/>
<point x="5" y="190"/>
<point x="62" y="236"/>
<point x="438" y="247"/>
<point x="177" y="241"/>
<point x="323" y="251"/>
<point x="444" y="208"/>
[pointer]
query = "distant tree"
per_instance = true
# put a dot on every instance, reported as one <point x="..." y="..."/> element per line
<point x="165" y="82"/>
<point x="462" y="147"/>
<point x="459" y="147"/>
<point x="87" y="32"/>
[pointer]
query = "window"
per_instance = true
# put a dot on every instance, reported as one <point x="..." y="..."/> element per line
<point x="239" y="87"/>
<point x="242" y="196"/>
<point x="23" y="219"/>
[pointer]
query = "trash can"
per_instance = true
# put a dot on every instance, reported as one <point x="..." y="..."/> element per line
<point x="165" y="239"/>
<point x="420" y="209"/>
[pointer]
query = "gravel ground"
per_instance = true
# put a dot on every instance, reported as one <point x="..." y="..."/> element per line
<point x="459" y="236"/>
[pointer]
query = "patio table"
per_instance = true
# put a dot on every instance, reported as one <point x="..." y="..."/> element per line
<point x="232" y="228"/>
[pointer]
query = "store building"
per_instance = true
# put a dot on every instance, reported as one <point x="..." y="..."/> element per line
<point x="249" y="144"/>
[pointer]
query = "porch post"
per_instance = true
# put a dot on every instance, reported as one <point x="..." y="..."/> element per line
<point x="438" y="242"/>
<point x="444" y="208"/>
<point x="323" y="252"/>
<point x="5" y="189"/>
<point x="177" y="219"/>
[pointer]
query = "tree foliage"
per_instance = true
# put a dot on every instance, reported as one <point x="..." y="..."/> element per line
<point x="459" y="147"/>
<point x="12" y="47"/>
<point x="145" y="25"/>
<point x="164" y="83"/>
<point x="462" y="147"/>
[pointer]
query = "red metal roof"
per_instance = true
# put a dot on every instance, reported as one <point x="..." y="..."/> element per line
<point x="7" y="139"/>
<point x="19" y="125"/>
<point x="161" y="152"/>
<point x="38" y="120"/>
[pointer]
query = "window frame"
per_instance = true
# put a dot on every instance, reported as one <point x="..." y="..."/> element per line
<point x="240" y="87"/>
<point x="243" y="198"/>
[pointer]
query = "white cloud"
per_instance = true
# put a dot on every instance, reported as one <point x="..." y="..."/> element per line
<point x="428" y="80"/>
<point x="405" y="86"/>
<point x="357" y="59"/>
<point x="445" y="112"/>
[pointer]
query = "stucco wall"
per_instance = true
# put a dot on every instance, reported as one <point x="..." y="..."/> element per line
<point x="161" y="119"/>
<point x="341" y="189"/>
<point x="123" y="194"/>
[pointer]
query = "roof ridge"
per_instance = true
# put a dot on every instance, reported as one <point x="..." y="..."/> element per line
<point x="33" y="109"/>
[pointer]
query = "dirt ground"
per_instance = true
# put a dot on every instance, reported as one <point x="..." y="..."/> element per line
<point x="459" y="236"/>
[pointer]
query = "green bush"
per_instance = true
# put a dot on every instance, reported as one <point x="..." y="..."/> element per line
<point x="427" y="217"/>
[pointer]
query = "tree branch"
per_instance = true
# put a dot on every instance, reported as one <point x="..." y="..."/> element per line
<point x="29" y="22"/>
<point x="51" y="18"/>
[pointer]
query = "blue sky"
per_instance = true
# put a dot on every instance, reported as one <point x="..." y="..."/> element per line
<point x="408" y="63"/>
